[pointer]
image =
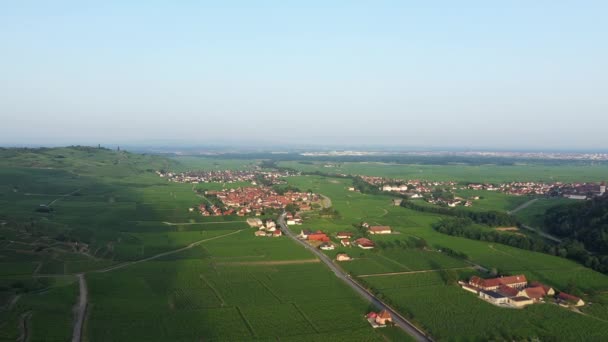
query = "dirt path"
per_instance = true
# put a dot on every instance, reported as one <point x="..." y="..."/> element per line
<point x="62" y="196"/>
<point x="195" y="223"/>
<point x="269" y="263"/>
<point x="80" y="309"/>
<point x="522" y="206"/>
<point x="412" y="272"/>
<point x="24" y="326"/>
<point x="326" y="201"/>
<point x="194" y="244"/>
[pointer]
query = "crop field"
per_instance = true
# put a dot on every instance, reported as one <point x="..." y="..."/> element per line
<point x="229" y="284"/>
<point x="48" y="313"/>
<point x="218" y="295"/>
<point x="449" y="312"/>
<point x="462" y="173"/>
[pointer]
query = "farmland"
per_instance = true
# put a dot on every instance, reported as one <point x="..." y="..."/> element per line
<point x="108" y="215"/>
<point x="411" y="279"/>
<point x="490" y="173"/>
<point x="146" y="258"/>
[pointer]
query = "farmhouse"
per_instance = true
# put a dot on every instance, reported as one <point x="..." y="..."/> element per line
<point x="304" y="233"/>
<point x="345" y="242"/>
<point x="344" y="235"/>
<point x="507" y="291"/>
<point x="516" y="281"/>
<point x="327" y="246"/>
<point x="260" y="233"/>
<point x="520" y="301"/>
<point x="365" y="243"/>
<point x="549" y="291"/>
<point x="535" y="293"/>
<point x="570" y="299"/>
<point x="380" y="230"/>
<point x="343" y="257"/>
<point x="383" y="317"/>
<point x="379" y="320"/>
<point x="493" y="297"/>
<point x="277" y="233"/>
<point x="470" y="288"/>
<point x="318" y="236"/>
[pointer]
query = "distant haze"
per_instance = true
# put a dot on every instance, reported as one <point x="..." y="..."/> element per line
<point x="477" y="74"/>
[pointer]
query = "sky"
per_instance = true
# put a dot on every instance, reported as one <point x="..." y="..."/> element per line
<point x="471" y="74"/>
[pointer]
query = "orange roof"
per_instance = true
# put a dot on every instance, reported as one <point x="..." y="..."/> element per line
<point x="510" y="280"/>
<point x="568" y="297"/>
<point x="379" y="228"/>
<point x="384" y="314"/>
<point x="535" y="292"/>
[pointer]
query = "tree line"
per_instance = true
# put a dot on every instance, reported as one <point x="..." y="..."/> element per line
<point x="568" y="248"/>
<point x="489" y="218"/>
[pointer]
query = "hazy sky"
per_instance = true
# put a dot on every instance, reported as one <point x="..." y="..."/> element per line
<point x="509" y="74"/>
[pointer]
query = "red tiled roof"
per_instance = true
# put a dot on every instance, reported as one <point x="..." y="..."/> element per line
<point x="384" y="314"/>
<point x="568" y="297"/>
<point x="535" y="292"/>
<point x="365" y="242"/>
<point x="493" y="282"/>
<point x="379" y="228"/>
<point x="507" y="291"/>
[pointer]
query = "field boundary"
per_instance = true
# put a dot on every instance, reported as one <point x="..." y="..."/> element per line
<point x="314" y="327"/>
<point x="246" y="321"/>
<point x="414" y="272"/>
<point x="268" y="263"/>
<point x="194" y="244"/>
<point x="215" y="291"/>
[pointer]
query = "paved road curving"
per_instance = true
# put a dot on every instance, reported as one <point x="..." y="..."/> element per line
<point x="399" y="320"/>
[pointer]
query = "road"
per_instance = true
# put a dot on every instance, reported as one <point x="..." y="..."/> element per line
<point x="81" y="309"/>
<point x="399" y="320"/>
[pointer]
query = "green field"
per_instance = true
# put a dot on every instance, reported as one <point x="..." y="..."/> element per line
<point x="490" y="173"/>
<point x="227" y="284"/>
<point x="445" y="311"/>
<point x="451" y="312"/>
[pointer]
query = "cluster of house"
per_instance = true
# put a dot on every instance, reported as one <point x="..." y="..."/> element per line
<point x="268" y="228"/>
<point x="515" y="291"/>
<point x="569" y="190"/>
<point x="253" y="200"/>
<point x="379" y="319"/>
<point x="454" y="202"/>
<point x="226" y="176"/>
<point x="326" y="244"/>
<point x="345" y="237"/>
<point x="292" y="219"/>
<point x="402" y="184"/>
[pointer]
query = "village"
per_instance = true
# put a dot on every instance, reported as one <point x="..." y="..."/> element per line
<point x="515" y="292"/>
<point x="253" y="201"/>
<point x="254" y="177"/>
<point x="427" y="190"/>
